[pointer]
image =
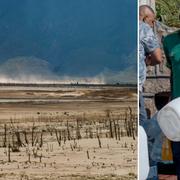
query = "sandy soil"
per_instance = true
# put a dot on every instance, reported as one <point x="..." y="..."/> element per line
<point x="95" y="114"/>
<point x="62" y="161"/>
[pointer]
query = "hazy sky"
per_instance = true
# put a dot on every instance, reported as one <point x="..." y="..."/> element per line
<point x="76" y="38"/>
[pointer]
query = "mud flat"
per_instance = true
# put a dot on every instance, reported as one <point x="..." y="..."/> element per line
<point x="68" y="133"/>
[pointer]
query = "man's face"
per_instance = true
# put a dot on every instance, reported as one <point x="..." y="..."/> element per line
<point x="150" y="19"/>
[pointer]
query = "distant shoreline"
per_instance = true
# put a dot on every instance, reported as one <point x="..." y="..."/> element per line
<point x="66" y="85"/>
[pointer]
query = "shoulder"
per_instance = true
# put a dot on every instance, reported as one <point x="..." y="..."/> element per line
<point x="171" y="36"/>
<point x="171" y="40"/>
<point x="145" y="31"/>
<point x="144" y="26"/>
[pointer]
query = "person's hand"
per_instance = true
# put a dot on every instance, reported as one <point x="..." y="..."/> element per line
<point x="151" y="59"/>
<point x="148" y="60"/>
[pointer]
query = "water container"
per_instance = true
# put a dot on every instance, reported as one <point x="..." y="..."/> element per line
<point x="169" y="120"/>
<point x="143" y="154"/>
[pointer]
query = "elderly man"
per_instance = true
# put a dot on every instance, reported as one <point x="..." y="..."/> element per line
<point x="149" y="54"/>
<point x="149" y="51"/>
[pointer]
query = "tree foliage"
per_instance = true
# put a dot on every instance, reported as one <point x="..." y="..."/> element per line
<point x="168" y="11"/>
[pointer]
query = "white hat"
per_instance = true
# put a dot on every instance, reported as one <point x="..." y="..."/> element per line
<point x="169" y="120"/>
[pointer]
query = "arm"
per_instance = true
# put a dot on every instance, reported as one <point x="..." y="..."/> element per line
<point x="152" y="47"/>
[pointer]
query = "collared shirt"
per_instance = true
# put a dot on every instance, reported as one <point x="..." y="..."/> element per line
<point x="148" y="42"/>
